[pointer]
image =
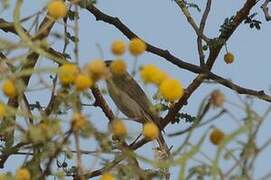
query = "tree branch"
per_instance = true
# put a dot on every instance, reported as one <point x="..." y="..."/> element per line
<point x="9" y="151"/>
<point x="201" y="29"/>
<point x="240" y="16"/>
<point x="100" y="16"/>
<point x="100" y="102"/>
<point x="190" y="19"/>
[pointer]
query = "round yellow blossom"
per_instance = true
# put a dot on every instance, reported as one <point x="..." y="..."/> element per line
<point x="97" y="69"/>
<point x="152" y="74"/>
<point x="118" y="67"/>
<point x="67" y="73"/>
<point x="2" y="110"/>
<point x="171" y="89"/>
<point x="107" y="176"/>
<point x="216" y="136"/>
<point x="82" y="82"/>
<point x="118" y="128"/>
<point x="79" y="121"/>
<point x="9" y="88"/>
<point x="228" y="58"/>
<point x="23" y="174"/>
<point x="150" y="131"/>
<point x="137" y="46"/>
<point x="217" y="98"/>
<point x="57" y="9"/>
<point x="118" y="47"/>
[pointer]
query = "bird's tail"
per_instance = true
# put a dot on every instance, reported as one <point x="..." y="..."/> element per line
<point x="164" y="151"/>
<point x="164" y="154"/>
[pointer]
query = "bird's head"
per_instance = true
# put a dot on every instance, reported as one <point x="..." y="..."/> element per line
<point x="118" y="69"/>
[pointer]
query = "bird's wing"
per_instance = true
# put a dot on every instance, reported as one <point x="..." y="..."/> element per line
<point x="134" y="90"/>
<point x="122" y="100"/>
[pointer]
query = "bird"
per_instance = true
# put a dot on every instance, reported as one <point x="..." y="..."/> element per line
<point x="132" y="101"/>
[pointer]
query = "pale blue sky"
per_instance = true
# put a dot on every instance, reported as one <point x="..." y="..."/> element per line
<point x="161" y="23"/>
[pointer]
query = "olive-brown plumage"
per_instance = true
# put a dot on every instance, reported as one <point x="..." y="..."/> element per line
<point x="130" y="98"/>
<point x="133" y="102"/>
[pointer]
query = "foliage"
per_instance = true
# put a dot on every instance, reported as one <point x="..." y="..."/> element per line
<point x="52" y="135"/>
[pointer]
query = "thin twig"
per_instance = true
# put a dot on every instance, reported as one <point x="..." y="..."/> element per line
<point x="78" y="154"/>
<point x="201" y="30"/>
<point x="190" y="19"/>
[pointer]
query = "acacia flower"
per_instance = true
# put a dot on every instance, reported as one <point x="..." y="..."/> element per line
<point x="9" y="88"/>
<point x="150" y="131"/>
<point x="171" y="90"/>
<point x="137" y="46"/>
<point x="57" y="9"/>
<point x="152" y="74"/>
<point x="118" y="47"/>
<point x="118" y="67"/>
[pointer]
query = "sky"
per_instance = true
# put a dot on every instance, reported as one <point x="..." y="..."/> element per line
<point x="161" y="23"/>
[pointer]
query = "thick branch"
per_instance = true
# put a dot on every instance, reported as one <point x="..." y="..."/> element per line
<point x="183" y="101"/>
<point x="100" y="16"/>
<point x="239" y="17"/>
<point x="239" y="89"/>
<point x="100" y="102"/>
<point x="241" y="14"/>
<point x="8" y="26"/>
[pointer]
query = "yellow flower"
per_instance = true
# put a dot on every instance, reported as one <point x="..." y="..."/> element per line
<point x="217" y="98"/>
<point x="152" y="74"/>
<point x="171" y="89"/>
<point x="67" y="73"/>
<point x="107" y="176"/>
<point x="137" y="46"/>
<point x="118" y="47"/>
<point x="2" y="110"/>
<point x="119" y="128"/>
<point x="216" y="136"/>
<point x="228" y="58"/>
<point x="57" y="9"/>
<point x="118" y="67"/>
<point x="82" y="82"/>
<point x="150" y="131"/>
<point x="97" y="69"/>
<point x="9" y="88"/>
<point x="23" y="174"/>
<point x="78" y="121"/>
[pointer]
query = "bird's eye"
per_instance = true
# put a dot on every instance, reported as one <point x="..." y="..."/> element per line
<point x="108" y="63"/>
